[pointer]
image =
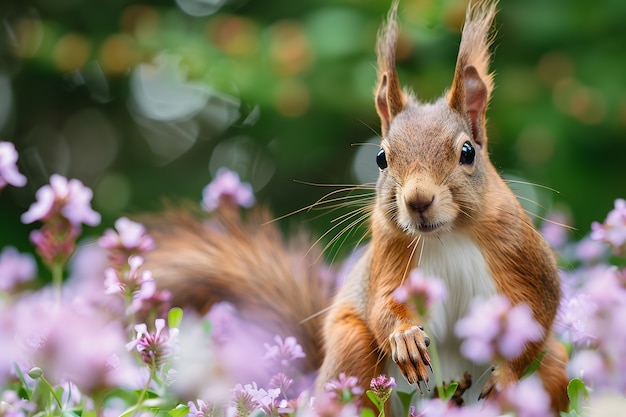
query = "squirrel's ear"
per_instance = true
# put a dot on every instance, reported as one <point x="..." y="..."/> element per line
<point x="472" y="84"/>
<point x="389" y="97"/>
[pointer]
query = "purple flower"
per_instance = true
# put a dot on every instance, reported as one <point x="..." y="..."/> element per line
<point x="154" y="347"/>
<point x="281" y="382"/>
<point x="527" y="398"/>
<point x="15" y="268"/>
<point x="68" y="199"/>
<point x="344" y="389"/>
<point x="554" y="229"/>
<point x="588" y="250"/>
<point x="129" y="238"/>
<point x="382" y="386"/>
<point x="242" y="401"/>
<point x="437" y="407"/>
<point x="596" y="312"/>
<point x="494" y="329"/>
<point x="8" y="170"/>
<point x="12" y="405"/>
<point x="199" y="410"/>
<point x="420" y="291"/>
<point x="283" y="353"/>
<point x="69" y="344"/>
<point x="250" y="395"/>
<point x="137" y="287"/>
<point x="227" y="189"/>
<point x="613" y="230"/>
<point x="127" y="281"/>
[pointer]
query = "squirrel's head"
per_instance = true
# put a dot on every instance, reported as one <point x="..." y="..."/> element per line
<point x="433" y="156"/>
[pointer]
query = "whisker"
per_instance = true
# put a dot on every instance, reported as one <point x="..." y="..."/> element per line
<point x="365" y="144"/>
<point x="324" y="199"/>
<point x="415" y="242"/>
<point x="346" y="219"/>
<point x="545" y="187"/>
<point x="348" y="228"/>
<point x="369" y="127"/>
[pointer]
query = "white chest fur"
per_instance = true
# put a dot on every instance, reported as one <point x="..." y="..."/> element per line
<point x="457" y="260"/>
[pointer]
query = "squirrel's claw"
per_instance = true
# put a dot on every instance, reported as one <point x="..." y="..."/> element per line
<point x="409" y="350"/>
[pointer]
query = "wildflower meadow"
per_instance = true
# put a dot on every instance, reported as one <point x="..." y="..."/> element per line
<point x="101" y="339"/>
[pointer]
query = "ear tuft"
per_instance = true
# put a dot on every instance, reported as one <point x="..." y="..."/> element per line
<point x="472" y="84"/>
<point x="389" y="97"/>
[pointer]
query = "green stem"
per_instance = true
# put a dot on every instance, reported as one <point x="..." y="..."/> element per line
<point x="434" y="360"/>
<point x="54" y="395"/>
<point x="144" y="392"/>
<point x="57" y="280"/>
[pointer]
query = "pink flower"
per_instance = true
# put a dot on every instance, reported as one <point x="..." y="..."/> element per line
<point x="68" y="199"/>
<point x="284" y="352"/>
<point x="129" y="238"/>
<point x="199" y="410"/>
<point x="344" y="388"/>
<point x="249" y="397"/>
<point x="8" y="170"/>
<point x="494" y="329"/>
<point x="154" y="347"/>
<point x="421" y="291"/>
<point x="613" y="230"/>
<point x="382" y="386"/>
<point x="127" y="281"/>
<point x="15" y="268"/>
<point x="227" y="189"/>
<point x="69" y="343"/>
<point x="527" y="398"/>
<point x="554" y="229"/>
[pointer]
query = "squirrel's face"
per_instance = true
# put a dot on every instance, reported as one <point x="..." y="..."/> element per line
<point x="432" y="170"/>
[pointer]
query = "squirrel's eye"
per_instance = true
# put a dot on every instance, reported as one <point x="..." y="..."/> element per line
<point x="381" y="159"/>
<point x="467" y="154"/>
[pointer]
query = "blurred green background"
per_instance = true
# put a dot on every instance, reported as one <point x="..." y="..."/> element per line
<point x="146" y="100"/>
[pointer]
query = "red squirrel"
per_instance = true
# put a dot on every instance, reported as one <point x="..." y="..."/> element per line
<point x="437" y="189"/>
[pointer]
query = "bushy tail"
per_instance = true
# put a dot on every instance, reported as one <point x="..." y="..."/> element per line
<point x="280" y="285"/>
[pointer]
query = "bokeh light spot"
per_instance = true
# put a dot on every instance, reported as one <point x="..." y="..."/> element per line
<point x="237" y="36"/>
<point x="117" y="54"/>
<point x="290" y="49"/>
<point x="71" y="52"/>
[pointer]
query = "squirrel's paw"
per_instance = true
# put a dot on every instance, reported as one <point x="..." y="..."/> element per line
<point x="409" y="351"/>
<point x="499" y="378"/>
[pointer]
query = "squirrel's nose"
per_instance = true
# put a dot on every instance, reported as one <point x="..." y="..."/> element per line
<point x="420" y="203"/>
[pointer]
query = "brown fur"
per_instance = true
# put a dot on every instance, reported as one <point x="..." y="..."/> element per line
<point x="426" y="186"/>
<point x="273" y="283"/>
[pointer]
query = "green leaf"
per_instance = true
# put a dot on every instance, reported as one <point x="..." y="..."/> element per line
<point x="27" y="391"/>
<point x="368" y="412"/>
<point x="179" y="411"/>
<point x="69" y="413"/>
<point x="578" y="394"/>
<point x="174" y="317"/>
<point x="534" y="365"/>
<point x="375" y="400"/>
<point x="405" y="399"/>
<point x="450" y="390"/>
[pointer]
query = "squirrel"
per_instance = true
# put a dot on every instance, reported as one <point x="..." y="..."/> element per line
<point x="439" y="205"/>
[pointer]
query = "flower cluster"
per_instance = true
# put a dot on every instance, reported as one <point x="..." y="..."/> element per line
<point x="129" y="238"/>
<point x="613" y="230"/>
<point x="227" y="190"/>
<point x="495" y="330"/>
<point x="63" y="206"/>
<point x="155" y="346"/>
